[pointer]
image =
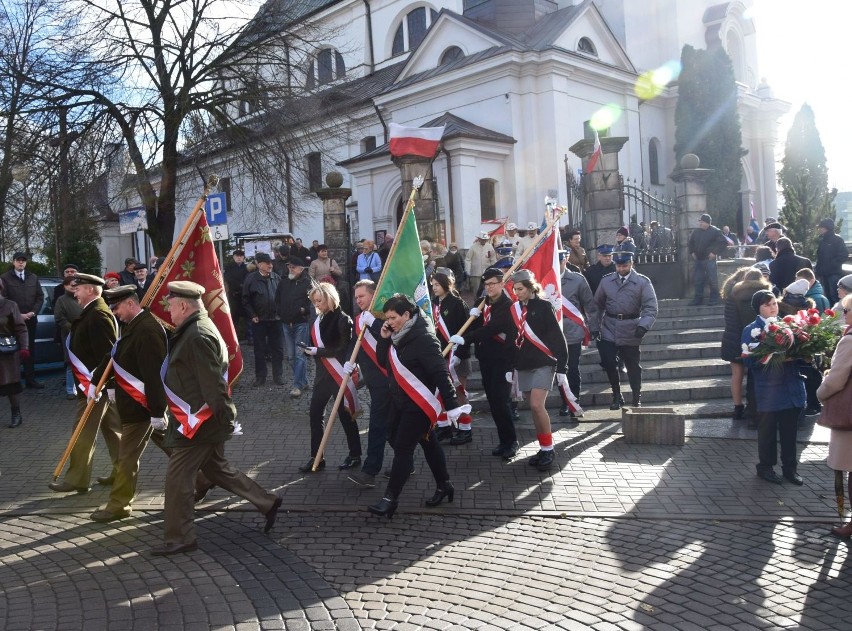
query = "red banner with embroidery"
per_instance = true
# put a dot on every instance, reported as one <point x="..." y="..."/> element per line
<point x="428" y="402"/>
<point x="83" y="374"/>
<point x="368" y="343"/>
<point x="527" y="332"/>
<point x="190" y="422"/>
<point x="570" y="311"/>
<point x="335" y="369"/>
<point x="544" y="264"/>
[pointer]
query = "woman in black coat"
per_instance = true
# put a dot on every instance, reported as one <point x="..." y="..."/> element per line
<point x="782" y="271"/>
<point x="331" y="333"/>
<point x="410" y="351"/>
<point x="736" y="296"/>
<point x="449" y="314"/>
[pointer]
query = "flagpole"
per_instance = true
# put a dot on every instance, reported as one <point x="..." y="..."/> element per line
<point x="164" y="270"/>
<point x="551" y="223"/>
<point x="416" y="184"/>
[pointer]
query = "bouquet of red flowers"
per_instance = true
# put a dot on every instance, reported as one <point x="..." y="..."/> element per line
<point x="801" y="336"/>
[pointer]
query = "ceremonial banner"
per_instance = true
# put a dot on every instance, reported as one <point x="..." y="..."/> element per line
<point x="196" y="261"/>
<point x="596" y="154"/>
<point x="544" y="263"/>
<point x="415" y="141"/>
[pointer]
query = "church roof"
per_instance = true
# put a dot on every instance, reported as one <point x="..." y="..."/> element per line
<point x="455" y="128"/>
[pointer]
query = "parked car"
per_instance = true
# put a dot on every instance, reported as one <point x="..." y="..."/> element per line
<point x="48" y="349"/>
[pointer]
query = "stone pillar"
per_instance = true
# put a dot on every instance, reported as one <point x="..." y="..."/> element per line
<point x="426" y="201"/>
<point x="604" y="203"/>
<point x="691" y="192"/>
<point x="334" y="220"/>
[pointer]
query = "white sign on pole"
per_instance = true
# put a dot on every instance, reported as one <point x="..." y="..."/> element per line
<point x="220" y="232"/>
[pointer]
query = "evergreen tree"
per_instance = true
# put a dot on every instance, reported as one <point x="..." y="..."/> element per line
<point x="707" y="124"/>
<point x="804" y="183"/>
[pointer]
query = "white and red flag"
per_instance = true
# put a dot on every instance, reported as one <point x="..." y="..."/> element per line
<point x="544" y="263"/>
<point x="596" y="154"/>
<point x="415" y="141"/>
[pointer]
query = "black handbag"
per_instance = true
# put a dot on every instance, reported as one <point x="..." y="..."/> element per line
<point x="8" y="344"/>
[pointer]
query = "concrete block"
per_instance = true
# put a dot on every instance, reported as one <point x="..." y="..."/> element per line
<point x="652" y="426"/>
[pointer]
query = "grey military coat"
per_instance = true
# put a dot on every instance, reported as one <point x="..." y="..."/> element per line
<point x="575" y="288"/>
<point x="636" y="302"/>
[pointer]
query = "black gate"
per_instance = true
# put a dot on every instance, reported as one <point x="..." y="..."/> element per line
<point x="652" y="223"/>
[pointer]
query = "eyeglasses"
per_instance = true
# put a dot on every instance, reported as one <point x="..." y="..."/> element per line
<point x="491" y="283"/>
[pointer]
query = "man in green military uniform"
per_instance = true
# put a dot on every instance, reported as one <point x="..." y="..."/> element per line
<point x="201" y="418"/>
<point x="92" y="337"/>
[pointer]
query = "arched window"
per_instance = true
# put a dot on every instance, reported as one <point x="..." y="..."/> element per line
<point x="654" y="160"/>
<point x="450" y="55"/>
<point x="488" y="199"/>
<point x="327" y="67"/>
<point x="412" y="29"/>
<point x="313" y="166"/>
<point x="586" y="46"/>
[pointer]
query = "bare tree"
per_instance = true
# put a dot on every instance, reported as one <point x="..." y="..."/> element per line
<point x="185" y="82"/>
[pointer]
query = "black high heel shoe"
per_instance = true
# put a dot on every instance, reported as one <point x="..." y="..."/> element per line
<point x="447" y="490"/>
<point x="385" y="507"/>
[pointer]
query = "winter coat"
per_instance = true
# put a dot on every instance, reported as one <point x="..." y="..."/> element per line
<point x="66" y="311"/>
<point x="494" y="341"/>
<point x="627" y="245"/>
<point x="635" y="300"/>
<point x="456" y="263"/>
<point x="259" y="295"/>
<point x="577" y="257"/>
<point x="291" y="299"/>
<point x="321" y="268"/>
<point x="706" y="241"/>
<point x="93" y="334"/>
<point x="198" y="359"/>
<point x="11" y="324"/>
<point x="596" y="273"/>
<point x="836" y="379"/>
<point x="336" y="332"/>
<point x="576" y="290"/>
<point x="480" y="257"/>
<point x="775" y="388"/>
<point x="541" y="318"/>
<point x="235" y="274"/>
<point x="782" y="270"/>
<point x="738" y="313"/>
<point x="420" y="352"/>
<point x="369" y="266"/>
<point x="661" y="239"/>
<point x="831" y="255"/>
<point x="27" y="293"/>
<point x="816" y="294"/>
<point x="454" y="313"/>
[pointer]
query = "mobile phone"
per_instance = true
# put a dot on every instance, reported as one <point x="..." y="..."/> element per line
<point x="301" y="344"/>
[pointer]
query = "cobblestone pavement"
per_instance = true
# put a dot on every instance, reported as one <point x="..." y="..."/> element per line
<point x="618" y="537"/>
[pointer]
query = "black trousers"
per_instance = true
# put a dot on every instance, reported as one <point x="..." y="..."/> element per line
<point x="631" y="355"/>
<point x="325" y="390"/>
<point x="575" y="382"/>
<point x="268" y="339"/>
<point x="498" y="391"/>
<point x="772" y="426"/>
<point x="407" y="428"/>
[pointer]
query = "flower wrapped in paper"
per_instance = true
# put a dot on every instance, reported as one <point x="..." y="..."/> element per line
<point x="804" y="336"/>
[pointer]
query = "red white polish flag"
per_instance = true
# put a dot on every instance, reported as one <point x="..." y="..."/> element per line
<point x="415" y="141"/>
<point x="596" y="155"/>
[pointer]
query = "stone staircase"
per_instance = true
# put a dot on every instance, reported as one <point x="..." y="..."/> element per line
<point x="680" y="361"/>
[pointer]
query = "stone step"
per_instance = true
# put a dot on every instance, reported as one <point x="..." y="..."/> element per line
<point x="713" y="321"/>
<point x="710" y="409"/>
<point x="681" y="336"/>
<point x="681" y="309"/>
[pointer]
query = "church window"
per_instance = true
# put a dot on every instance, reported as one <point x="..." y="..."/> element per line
<point x="325" y="68"/>
<point x="654" y="160"/>
<point x="586" y="46"/>
<point x="314" y="167"/>
<point x="412" y="29"/>
<point x="450" y="55"/>
<point x="368" y="143"/>
<point x="488" y="199"/>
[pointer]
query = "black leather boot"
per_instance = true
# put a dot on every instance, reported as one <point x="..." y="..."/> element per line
<point x="445" y="490"/>
<point x="637" y="399"/>
<point x="385" y="507"/>
<point x="17" y="419"/>
<point x="617" y="401"/>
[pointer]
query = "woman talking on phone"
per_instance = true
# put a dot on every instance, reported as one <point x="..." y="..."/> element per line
<point x="410" y="352"/>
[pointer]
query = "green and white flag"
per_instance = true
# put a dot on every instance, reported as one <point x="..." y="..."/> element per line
<point x="404" y="272"/>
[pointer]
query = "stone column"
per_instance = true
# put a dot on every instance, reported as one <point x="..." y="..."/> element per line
<point x="426" y="201"/>
<point x="334" y="220"/>
<point x="691" y="192"/>
<point x="604" y="203"/>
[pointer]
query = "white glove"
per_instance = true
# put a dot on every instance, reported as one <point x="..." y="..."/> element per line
<point x="457" y="339"/>
<point x="454" y="414"/>
<point x="475" y="312"/>
<point x="367" y="318"/>
<point x="310" y="350"/>
<point x="111" y="395"/>
<point x="455" y="361"/>
<point x="349" y="367"/>
<point x="509" y="377"/>
<point x="562" y="380"/>
<point x="90" y="393"/>
<point x="159" y="424"/>
<point x="238" y="429"/>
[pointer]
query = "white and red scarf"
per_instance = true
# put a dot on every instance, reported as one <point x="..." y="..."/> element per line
<point x="525" y="332"/>
<point x="570" y="311"/>
<point x="83" y="374"/>
<point x="189" y="422"/>
<point x="441" y="325"/>
<point x="368" y="342"/>
<point x="429" y="402"/>
<point x="335" y="369"/>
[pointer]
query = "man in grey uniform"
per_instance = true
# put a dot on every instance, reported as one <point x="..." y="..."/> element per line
<point x="628" y="309"/>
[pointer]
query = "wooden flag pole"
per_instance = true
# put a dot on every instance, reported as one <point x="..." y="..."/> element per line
<point x="416" y="184"/>
<point x="551" y="223"/>
<point x="148" y="298"/>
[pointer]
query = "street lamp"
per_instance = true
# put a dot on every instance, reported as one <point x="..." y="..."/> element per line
<point x="21" y="173"/>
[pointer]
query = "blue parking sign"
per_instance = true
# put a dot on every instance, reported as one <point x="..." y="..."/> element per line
<point x="216" y="209"/>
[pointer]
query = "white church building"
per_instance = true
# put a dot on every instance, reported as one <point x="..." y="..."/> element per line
<point x="516" y="82"/>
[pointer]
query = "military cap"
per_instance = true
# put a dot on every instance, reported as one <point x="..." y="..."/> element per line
<point x="505" y="263"/>
<point x="504" y="250"/>
<point x="512" y="226"/>
<point x="621" y="258"/>
<point x="523" y="275"/>
<point x="605" y="248"/>
<point x="483" y="235"/>
<point x="493" y="272"/>
<point x="185" y="289"/>
<point x="775" y="225"/>
<point x="262" y="257"/>
<point x="88" y="279"/>
<point x="446" y="271"/>
<point x="532" y="226"/>
<point x="117" y="294"/>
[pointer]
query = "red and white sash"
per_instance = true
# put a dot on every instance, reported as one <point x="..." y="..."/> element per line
<point x="570" y="311"/>
<point x="127" y="382"/>
<point x="335" y="369"/>
<point x="525" y="332"/>
<point x="441" y="325"/>
<point x="83" y="374"/>
<point x="368" y="343"/>
<point x="569" y="399"/>
<point x="416" y="390"/>
<point x="190" y="422"/>
<point x="486" y="318"/>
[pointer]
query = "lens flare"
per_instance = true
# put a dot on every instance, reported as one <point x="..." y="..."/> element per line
<point x="651" y="83"/>
<point x="605" y="117"/>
